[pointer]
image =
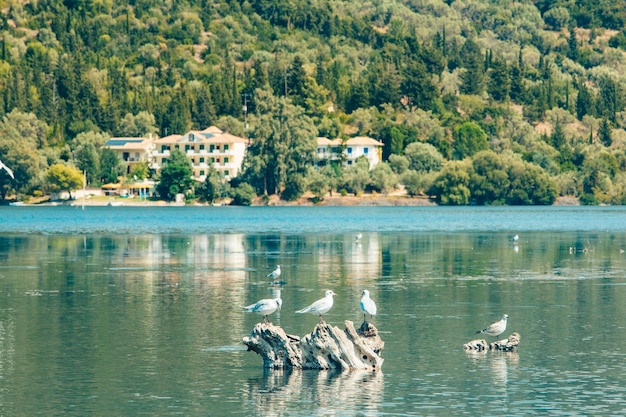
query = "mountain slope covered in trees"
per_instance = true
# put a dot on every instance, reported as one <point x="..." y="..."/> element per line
<point x="476" y="101"/>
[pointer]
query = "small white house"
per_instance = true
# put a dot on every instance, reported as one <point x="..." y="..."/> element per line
<point x="351" y="149"/>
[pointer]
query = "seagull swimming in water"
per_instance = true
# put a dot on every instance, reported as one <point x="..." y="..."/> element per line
<point x="495" y="329"/>
<point x="321" y="306"/>
<point x="275" y="273"/>
<point x="368" y="306"/>
<point x="265" y="307"/>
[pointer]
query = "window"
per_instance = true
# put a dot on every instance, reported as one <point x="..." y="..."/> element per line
<point x="186" y="148"/>
<point x="226" y="173"/>
<point x="125" y="156"/>
<point x="217" y="160"/>
<point x="202" y="160"/>
<point x="225" y="147"/>
<point x="202" y="147"/>
<point x="365" y="150"/>
<point x="225" y="160"/>
<point x="201" y="172"/>
<point x="163" y="148"/>
<point x="349" y="151"/>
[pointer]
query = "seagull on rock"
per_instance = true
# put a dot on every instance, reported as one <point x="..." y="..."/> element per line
<point x="265" y="307"/>
<point x="368" y="306"/>
<point x="495" y="329"/>
<point x="321" y="306"/>
<point x="275" y="273"/>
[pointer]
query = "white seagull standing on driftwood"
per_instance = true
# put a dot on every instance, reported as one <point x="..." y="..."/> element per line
<point x="495" y="329"/>
<point x="275" y="273"/>
<point x="368" y="306"/>
<point x="7" y="169"/>
<point x="265" y="307"/>
<point x="321" y="306"/>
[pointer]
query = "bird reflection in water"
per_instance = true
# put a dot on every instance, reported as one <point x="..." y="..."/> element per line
<point x="280" y="391"/>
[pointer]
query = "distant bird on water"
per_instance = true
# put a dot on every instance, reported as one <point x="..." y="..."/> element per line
<point x="368" y="306"/>
<point x="358" y="237"/>
<point x="515" y="239"/>
<point x="275" y="273"/>
<point x="265" y="307"/>
<point x="321" y="306"/>
<point x="7" y="169"/>
<point x="495" y="329"/>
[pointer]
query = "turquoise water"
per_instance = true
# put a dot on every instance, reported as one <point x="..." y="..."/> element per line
<point x="191" y="220"/>
<point x="135" y="311"/>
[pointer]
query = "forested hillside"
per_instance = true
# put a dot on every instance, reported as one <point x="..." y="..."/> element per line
<point x="476" y="101"/>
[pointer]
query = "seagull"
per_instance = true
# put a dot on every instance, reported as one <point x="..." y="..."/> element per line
<point x="495" y="329"/>
<point x="368" y="306"/>
<point x="265" y="307"/>
<point x="321" y="306"/>
<point x="275" y="273"/>
<point x="7" y="169"/>
<point x="358" y="237"/>
<point x="515" y="238"/>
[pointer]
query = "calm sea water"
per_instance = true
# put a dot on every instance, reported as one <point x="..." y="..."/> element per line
<point x="138" y="311"/>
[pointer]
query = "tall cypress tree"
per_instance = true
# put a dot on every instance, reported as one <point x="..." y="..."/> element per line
<point x="472" y="61"/>
<point x="604" y="133"/>
<point x="584" y="101"/>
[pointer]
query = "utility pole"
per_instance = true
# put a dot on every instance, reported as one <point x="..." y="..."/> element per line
<point x="245" y="113"/>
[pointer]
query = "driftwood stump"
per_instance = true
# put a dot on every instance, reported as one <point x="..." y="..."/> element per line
<point x="327" y="347"/>
<point x="504" y="345"/>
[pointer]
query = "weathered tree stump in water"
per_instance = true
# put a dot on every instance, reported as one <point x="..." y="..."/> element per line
<point x="504" y="345"/>
<point x="327" y="347"/>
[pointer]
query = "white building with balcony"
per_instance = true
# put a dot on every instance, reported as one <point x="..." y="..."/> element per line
<point x="204" y="148"/>
<point x="350" y="150"/>
<point x="132" y="150"/>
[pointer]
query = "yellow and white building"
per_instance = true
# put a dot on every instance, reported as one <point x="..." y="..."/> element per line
<point x="204" y="148"/>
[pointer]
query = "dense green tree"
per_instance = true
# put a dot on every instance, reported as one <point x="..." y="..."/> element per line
<point x="243" y="195"/>
<point x="423" y="157"/>
<point x="284" y="144"/>
<point x="530" y="185"/>
<point x="469" y="138"/>
<point x="175" y="176"/>
<point x="451" y="185"/>
<point x="60" y="177"/>
<point x="355" y="178"/>
<point x="210" y="190"/>
<point x="398" y="163"/>
<point x="140" y="125"/>
<point x="111" y="166"/>
<point x="383" y="179"/>
<point x="489" y="181"/>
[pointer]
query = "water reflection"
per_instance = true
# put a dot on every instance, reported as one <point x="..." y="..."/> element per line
<point x="328" y="392"/>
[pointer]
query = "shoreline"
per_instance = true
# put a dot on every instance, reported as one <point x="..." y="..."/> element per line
<point x="366" y="200"/>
